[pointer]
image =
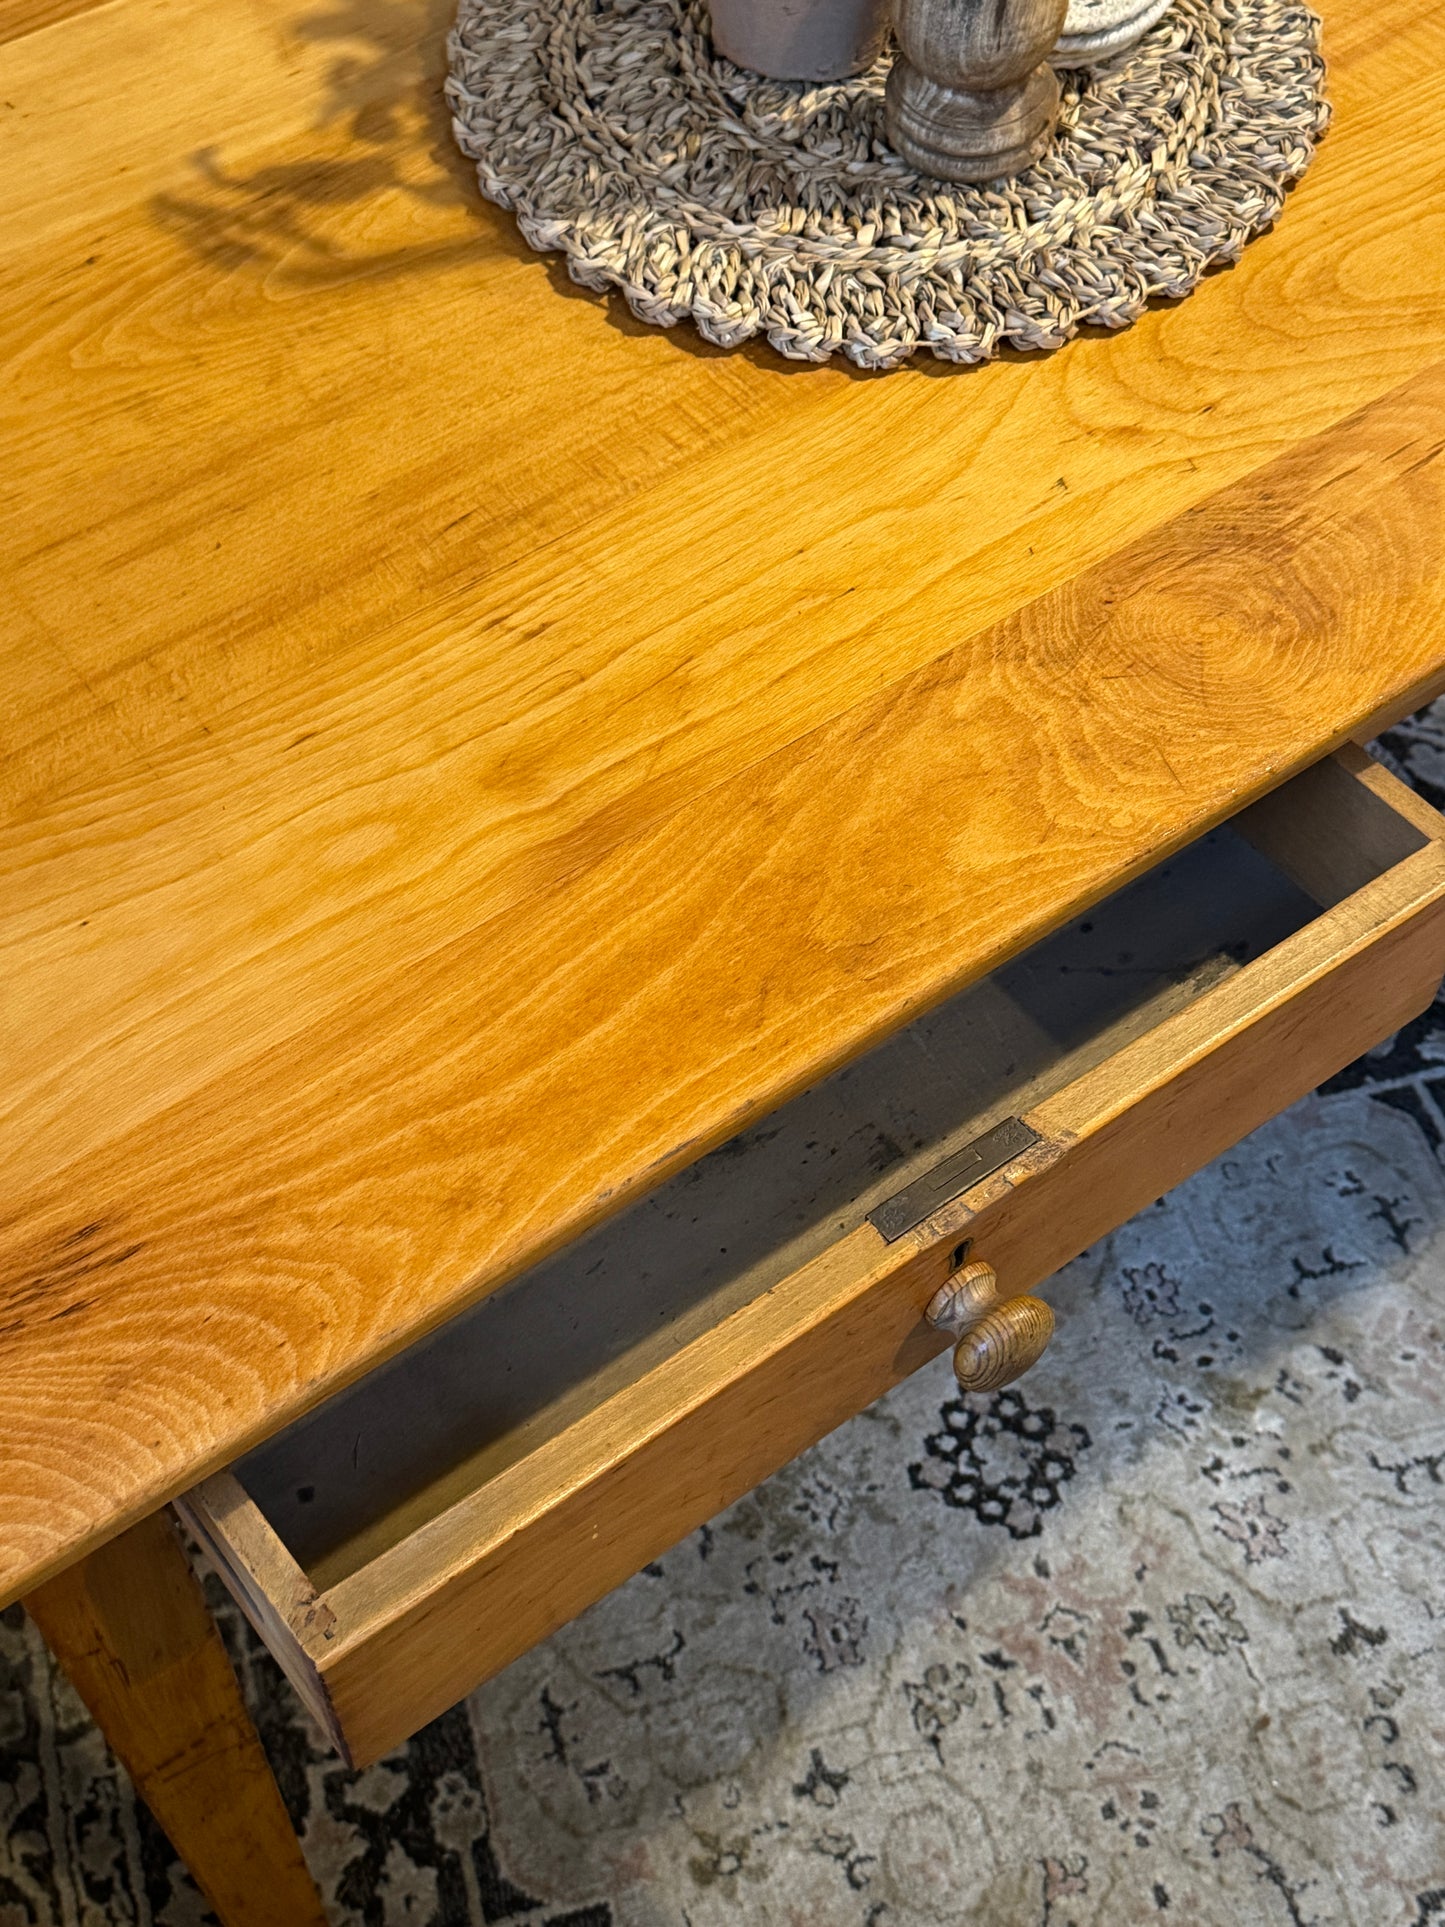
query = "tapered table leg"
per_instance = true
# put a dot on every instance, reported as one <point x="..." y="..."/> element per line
<point x="131" y="1628"/>
<point x="971" y="95"/>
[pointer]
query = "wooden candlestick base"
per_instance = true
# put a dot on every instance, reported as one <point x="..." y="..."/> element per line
<point x="971" y="96"/>
<point x="964" y="136"/>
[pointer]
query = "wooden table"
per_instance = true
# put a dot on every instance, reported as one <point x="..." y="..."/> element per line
<point x="466" y="753"/>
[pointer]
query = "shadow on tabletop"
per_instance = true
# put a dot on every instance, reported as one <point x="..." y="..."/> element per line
<point x="384" y="129"/>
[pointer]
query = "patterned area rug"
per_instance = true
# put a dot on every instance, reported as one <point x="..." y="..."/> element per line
<point x="1156" y="1635"/>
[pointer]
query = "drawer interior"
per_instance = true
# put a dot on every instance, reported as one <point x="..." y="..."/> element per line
<point x="374" y="1464"/>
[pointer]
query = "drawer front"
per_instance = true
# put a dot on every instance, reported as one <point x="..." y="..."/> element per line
<point x="391" y="1644"/>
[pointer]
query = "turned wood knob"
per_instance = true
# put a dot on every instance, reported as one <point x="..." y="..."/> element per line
<point x="1003" y="1344"/>
<point x="998" y="1338"/>
<point x="972" y="95"/>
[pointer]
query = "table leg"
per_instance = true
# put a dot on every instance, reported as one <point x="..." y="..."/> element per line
<point x="131" y="1628"/>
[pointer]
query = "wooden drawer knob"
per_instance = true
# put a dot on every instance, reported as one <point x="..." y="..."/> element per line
<point x="998" y="1339"/>
<point x="1003" y="1344"/>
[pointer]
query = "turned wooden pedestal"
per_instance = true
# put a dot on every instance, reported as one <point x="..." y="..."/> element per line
<point x="972" y="95"/>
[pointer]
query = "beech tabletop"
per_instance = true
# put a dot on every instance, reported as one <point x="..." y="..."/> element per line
<point x="465" y="753"/>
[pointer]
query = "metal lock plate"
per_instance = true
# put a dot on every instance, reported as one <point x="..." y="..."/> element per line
<point x="979" y="1159"/>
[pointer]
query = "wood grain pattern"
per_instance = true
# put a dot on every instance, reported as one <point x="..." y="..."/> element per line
<point x="474" y="1586"/>
<point x="132" y="1630"/>
<point x="271" y="1589"/>
<point x="20" y="17"/>
<point x="963" y="1299"/>
<point x="998" y="1337"/>
<point x="447" y="786"/>
<point x="435" y="1101"/>
<point x="1003" y="1345"/>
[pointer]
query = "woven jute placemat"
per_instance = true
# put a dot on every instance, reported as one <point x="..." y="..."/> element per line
<point x="774" y="208"/>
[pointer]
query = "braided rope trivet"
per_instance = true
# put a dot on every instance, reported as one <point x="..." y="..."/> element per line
<point x="773" y="207"/>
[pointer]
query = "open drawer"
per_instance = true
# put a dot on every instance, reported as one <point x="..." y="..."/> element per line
<point x="423" y="1528"/>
